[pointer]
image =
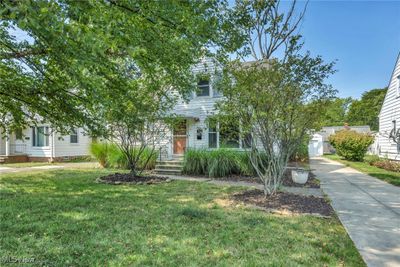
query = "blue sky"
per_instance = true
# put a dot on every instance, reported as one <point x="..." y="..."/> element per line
<point x="363" y="36"/>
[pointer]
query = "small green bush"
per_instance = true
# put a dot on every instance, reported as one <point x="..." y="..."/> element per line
<point x="100" y="152"/>
<point x="110" y="155"/>
<point x="301" y="153"/>
<point x="217" y="163"/>
<point x="350" y="144"/>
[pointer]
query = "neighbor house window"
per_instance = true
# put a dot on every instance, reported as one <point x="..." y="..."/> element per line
<point x="212" y="134"/>
<point x="73" y="137"/>
<point x="40" y="136"/>
<point x="18" y="134"/>
<point x="203" y="88"/>
<point x="398" y="86"/>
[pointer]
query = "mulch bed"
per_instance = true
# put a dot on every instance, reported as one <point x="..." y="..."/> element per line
<point x="312" y="182"/>
<point x="128" y="178"/>
<point x="286" y="203"/>
<point x="287" y="180"/>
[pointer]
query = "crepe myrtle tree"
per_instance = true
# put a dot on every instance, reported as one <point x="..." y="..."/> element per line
<point x="278" y="97"/>
<point x="278" y="103"/>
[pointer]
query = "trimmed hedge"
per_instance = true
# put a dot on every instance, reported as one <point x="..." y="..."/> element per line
<point x="216" y="163"/>
<point x="351" y="145"/>
<point x="110" y="156"/>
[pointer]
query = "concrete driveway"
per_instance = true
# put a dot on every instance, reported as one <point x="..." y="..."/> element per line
<point x="368" y="208"/>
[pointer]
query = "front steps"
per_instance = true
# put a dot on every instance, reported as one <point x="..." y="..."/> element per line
<point x="170" y="167"/>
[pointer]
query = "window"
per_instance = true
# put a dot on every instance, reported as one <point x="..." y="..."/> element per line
<point x="247" y="140"/>
<point x="212" y="134"/>
<point x="203" y="88"/>
<point x="199" y="134"/>
<point x="73" y="137"/>
<point x="229" y="135"/>
<point x="40" y="136"/>
<point x="18" y="134"/>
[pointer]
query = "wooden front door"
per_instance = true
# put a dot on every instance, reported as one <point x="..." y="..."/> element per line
<point x="180" y="137"/>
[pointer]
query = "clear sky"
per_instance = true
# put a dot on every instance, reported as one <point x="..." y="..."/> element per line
<point x="363" y="36"/>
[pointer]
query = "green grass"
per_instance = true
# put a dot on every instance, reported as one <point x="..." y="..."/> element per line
<point x="27" y="164"/>
<point x="64" y="218"/>
<point x="382" y="174"/>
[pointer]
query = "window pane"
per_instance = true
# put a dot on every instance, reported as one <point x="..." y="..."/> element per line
<point x="229" y="135"/>
<point x="74" y="136"/>
<point x="203" y="88"/>
<point x="212" y="140"/>
<point x="247" y="141"/>
<point x="40" y="137"/>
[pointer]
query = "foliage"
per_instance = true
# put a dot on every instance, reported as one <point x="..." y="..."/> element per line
<point x="350" y="144"/>
<point x="67" y="214"/>
<point x="68" y="72"/>
<point x="280" y="96"/>
<point x="301" y="153"/>
<point x="99" y="150"/>
<point x="366" y="110"/>
<point x="336" y="112"/>
<point x="383" y="163"/>
<point x="217" y="162"/>
<point x="110" y="155"/>
<point x="385" y="175"/>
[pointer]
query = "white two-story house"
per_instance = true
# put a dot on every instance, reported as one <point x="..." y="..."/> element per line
<point x="388" y="138"/>
<point x="198" y="129"/>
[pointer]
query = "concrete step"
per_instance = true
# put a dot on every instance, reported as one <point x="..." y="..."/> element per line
<point x="168" y="171"/>
<point x="170" y="162"/>
<point x="168" y="166"/>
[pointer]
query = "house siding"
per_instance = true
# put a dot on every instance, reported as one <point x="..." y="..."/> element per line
<point x="390" y="111"/>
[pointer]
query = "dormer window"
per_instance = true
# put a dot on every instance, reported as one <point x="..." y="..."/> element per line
<point x="203" y="88"/>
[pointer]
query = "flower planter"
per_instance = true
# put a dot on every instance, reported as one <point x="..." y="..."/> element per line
<point x="300" y="176"/>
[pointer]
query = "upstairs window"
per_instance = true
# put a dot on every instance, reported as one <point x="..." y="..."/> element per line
<point x="203" y="88"/>
<point x="73" y="137"/>
<point x="40" y="136"/>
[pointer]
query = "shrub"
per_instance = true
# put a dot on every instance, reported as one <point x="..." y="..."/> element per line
<point x="389" y="165"/>
<point x="110" y="155"/>
<point x="350" y="144"/>
<point x="301" y="153"/>
<point x="217" y="163"/>
<point x="100" y="152"/>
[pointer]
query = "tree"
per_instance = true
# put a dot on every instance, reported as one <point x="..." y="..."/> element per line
<point x="277" y="100"/>
<point x="336" y="112"/>
<point x="366" y="110"/>
<point x="69" y="62"/>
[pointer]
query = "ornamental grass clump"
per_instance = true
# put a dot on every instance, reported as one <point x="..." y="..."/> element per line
<point x="351" y="145"/>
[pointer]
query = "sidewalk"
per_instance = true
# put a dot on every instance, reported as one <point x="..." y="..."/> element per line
<point x="368" y="208"/>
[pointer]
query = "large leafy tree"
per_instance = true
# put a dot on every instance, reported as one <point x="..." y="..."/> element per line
<point x="70" y="64"/>
<point x="336" y="112"/>
<point x="278" y="97"/>
<point x="366" y="110"/>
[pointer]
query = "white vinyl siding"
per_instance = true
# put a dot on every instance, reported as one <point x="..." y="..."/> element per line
<point x="390" y="113"/>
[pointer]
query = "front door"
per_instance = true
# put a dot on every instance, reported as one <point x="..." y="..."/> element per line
<point x="180" y="137"/>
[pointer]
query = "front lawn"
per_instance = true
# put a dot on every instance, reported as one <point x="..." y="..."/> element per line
<point x="387" y="176"/>
<point x="63" y="218"/>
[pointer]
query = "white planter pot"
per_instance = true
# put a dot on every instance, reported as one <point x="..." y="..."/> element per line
<point x="300" y="176"/>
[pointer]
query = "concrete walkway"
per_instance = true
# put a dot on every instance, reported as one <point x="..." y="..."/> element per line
<point x="66" y="165"/>
<point x="368" y="208"/>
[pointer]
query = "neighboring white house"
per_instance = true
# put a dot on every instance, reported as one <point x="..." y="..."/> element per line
<point x="388" y="138"/>
<point x="40" y="143"/>
<point x="198" y="130"/>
